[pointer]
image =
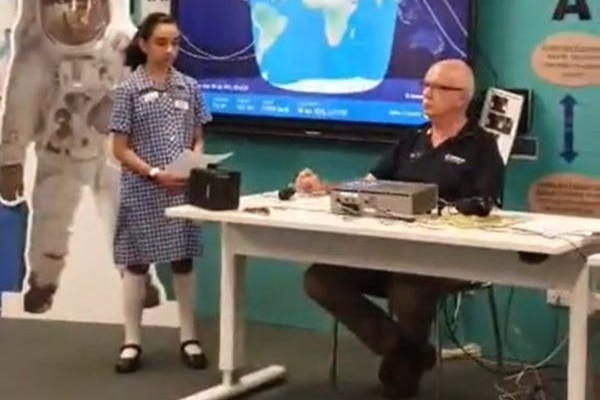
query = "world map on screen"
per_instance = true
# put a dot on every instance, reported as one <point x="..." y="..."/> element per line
<point x="340" y="60"/>
<point x="332" y="34"/>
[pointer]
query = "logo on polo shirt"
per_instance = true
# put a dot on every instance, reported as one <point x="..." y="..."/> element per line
<point x="451" y="158"/>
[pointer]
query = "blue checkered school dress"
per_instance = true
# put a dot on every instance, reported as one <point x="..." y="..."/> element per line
<point x="160" y="125"/>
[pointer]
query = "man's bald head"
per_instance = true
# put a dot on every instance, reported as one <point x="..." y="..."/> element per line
<point x="457" y="73"/>
<point x="449" y="86"/>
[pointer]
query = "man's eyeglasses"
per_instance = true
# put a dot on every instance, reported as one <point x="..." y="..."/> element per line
<point x="440" y="87"/>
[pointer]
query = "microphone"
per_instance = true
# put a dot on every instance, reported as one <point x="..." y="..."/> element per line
<point x="287" y="193"/>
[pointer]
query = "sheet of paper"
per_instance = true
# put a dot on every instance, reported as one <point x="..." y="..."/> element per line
<point x="189" y="160"/>
<point x="560" y="226"/>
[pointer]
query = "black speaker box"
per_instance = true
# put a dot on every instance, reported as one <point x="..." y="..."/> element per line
<point x="214" y="189"/>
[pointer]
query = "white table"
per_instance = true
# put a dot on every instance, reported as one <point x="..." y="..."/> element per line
<point x="303" y="230"/>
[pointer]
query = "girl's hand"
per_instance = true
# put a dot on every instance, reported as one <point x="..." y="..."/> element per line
<point x="170" y="181"/>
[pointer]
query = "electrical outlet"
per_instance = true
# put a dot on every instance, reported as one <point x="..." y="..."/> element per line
<point x="560" y="298"/>
<point x="525" y="148"/>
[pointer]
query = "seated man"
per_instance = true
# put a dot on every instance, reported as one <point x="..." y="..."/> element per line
<point x="464" y="161"/>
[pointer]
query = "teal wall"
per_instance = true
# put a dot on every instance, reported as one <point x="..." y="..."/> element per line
<point x="507" y="33"/>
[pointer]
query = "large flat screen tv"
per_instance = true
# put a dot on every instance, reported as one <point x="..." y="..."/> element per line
<point x="341" y="67"/>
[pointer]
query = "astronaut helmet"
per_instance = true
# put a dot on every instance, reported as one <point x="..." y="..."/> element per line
<point x="74" y="22"/>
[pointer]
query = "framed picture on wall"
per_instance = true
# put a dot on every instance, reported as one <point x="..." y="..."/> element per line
<point x="500" y="115"/>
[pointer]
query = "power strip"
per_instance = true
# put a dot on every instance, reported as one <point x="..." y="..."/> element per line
<point x="472" y="350"/>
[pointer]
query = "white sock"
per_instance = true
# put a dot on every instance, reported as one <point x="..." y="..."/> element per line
<point x="133" y="299"/>
<point x="185" y="293"/>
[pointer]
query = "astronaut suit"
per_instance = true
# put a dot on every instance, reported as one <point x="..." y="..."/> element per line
<point x="68" y="58"/>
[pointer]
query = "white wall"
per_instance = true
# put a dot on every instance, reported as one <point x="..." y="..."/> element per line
<point x="145" y="7"/>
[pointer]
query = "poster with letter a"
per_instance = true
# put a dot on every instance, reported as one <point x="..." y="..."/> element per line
<point x="59" y="185"/>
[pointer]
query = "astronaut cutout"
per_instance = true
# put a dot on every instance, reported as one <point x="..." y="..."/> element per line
<point x="68" y="58"/>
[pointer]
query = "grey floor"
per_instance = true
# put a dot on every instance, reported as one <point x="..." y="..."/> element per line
<point x="65" y="361"/>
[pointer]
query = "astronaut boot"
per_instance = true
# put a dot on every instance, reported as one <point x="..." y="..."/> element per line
<point x="152" y="295"/>
<point x="38" y="298"/>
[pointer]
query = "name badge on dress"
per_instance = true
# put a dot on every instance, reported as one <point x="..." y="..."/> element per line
<point x="182" y="105"/>
<point x="150" y="96"/>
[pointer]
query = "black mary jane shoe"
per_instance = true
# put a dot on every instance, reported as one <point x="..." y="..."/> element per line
<point x="193" y="361"/>
<point x="129" y="364"/>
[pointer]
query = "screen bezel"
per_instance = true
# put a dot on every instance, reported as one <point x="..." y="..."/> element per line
<point x="321" y="129"/>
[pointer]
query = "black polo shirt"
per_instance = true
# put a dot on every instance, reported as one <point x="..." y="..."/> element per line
<point x="467" y="165"/>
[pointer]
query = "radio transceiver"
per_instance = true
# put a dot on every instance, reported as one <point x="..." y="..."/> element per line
<point x="386" y="199"/>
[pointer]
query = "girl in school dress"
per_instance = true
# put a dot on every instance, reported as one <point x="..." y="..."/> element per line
<point x="157" y="114"/>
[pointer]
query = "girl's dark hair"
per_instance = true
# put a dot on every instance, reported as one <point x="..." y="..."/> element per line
<point x="134" y="56"/>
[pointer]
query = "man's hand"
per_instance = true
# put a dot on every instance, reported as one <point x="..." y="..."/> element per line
<point x="11" y="182"/>
<point x="307" y="182"/>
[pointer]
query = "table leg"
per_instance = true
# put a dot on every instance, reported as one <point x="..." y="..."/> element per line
<point x="578" y="336"/>
<point x="232" y="330"/>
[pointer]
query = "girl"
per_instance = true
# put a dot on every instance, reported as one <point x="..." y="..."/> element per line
<point x="157" y="113"/>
